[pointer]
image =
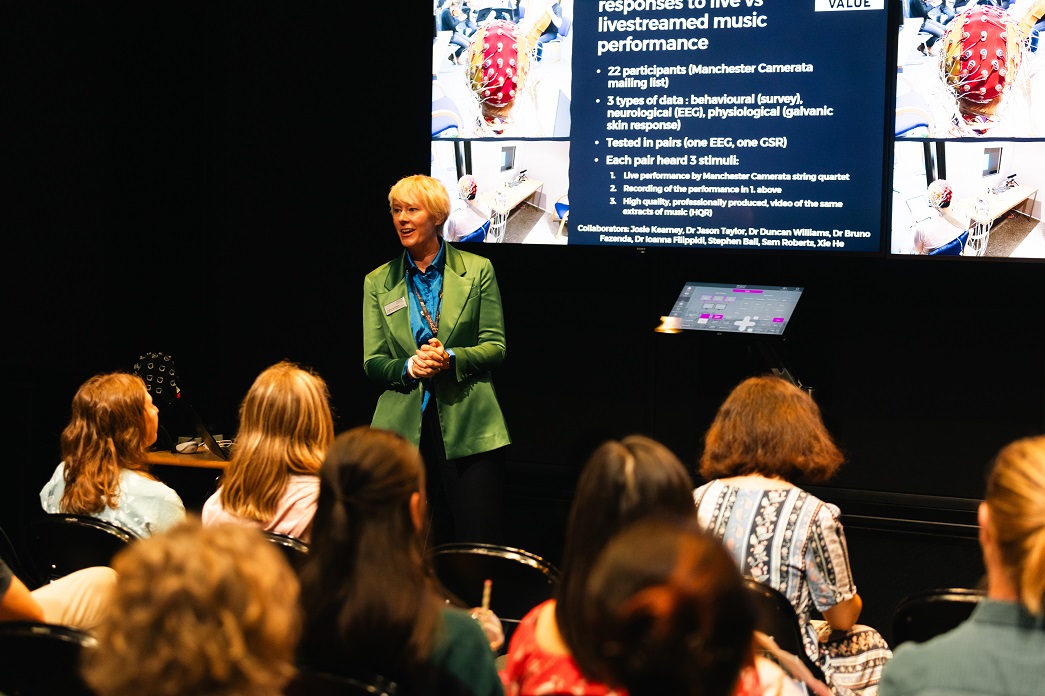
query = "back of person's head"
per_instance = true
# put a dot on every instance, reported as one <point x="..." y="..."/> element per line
<point x="467" y="187"/>
<point x="106" y="433"/>
<point x="769" y="426"/>
<point x="368" y="604"/>
<point x="940" y="193"/>
<point x="1016" y="501"/>
<point x="666" y="613"/>
<point x="423" y="189"/>
<point x="623" y="480"/>
<point x="198" y="610"/>
<point x="285" y="427"/>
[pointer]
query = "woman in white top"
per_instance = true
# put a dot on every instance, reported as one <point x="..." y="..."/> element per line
<point x="943" y="226"/>
<point x="467" y="217"/>
<point x="103" y="472"/>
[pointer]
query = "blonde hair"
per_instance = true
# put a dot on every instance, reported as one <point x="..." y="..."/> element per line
<point x="1016" y="500"/>
<point x="429" y="192"/>
<point x="105" y="434"/>
<point x="285" y="427"/>
<point x="198" y="610"/>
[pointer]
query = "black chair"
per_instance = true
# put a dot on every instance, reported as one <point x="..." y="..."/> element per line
<point x="9" y="555"/>
<point x="928" y="613"/>
<point x="520" y="580"/>
<point x="776" y="617"/>
<point x="41" y="659"/>
<point x="59" y="544"/>
<point x="310" y="682"/>
<point x="295" y="550"/>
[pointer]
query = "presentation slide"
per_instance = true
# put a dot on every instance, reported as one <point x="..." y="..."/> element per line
<point x="738" y="124"/>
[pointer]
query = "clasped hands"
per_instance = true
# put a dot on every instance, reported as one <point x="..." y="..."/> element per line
<point x="430" y="359"/>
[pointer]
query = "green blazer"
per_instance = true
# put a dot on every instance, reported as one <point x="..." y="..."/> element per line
<point x="471" y="323"/>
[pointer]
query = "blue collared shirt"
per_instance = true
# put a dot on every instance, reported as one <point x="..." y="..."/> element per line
<point x="429" y="285"/>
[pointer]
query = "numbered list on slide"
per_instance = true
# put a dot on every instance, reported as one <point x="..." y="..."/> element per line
<point x="748" y="124"/>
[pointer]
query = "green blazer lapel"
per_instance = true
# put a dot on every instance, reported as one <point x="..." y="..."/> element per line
<point x="457" y="285"/>
<point x="399" y="320"/>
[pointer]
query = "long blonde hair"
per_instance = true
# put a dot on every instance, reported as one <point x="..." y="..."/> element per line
<point x="285" y="427"/>
<point x="1016" y="500"/>
<point x="105" y="434"/>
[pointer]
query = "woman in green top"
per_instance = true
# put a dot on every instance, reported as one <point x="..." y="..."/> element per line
<point x="371" y="606"/>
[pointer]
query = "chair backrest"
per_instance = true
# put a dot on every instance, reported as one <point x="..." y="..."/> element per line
<point x="295" y="550"/>
<point x="9" y="555"/>
<point x="926" y="614"/>
<point x="477" y="236"/>
<point x="59" y="544"/>
<point x="520" y="580"/>
<point x="310" y="682"/>
<point x="775" y="616"/>
<point x="446" y="119"/>
<point x="562" y="207"/>
<point x="955" y="247"/>
<point x="41" y="659"/>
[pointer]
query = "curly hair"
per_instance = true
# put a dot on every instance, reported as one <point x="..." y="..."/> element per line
<point x="769" y="426"/>
<point x="105" y="434"/>
<point x="198" y="610"/>
<point x="285" y="427"/>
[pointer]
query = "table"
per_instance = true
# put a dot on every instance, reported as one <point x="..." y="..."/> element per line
<point x="502" y="200"/>
<point x="983" y="210"/>
<point x="202" y="459"/>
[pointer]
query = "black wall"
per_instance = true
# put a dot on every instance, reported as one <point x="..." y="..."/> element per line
<point x="210" y="180"/>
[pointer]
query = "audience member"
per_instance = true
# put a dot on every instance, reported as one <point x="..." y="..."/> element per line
<point x="767" y="435"/>
<point x="103" y="472"/>
<point x="272" y="478"/>
<point x="371" y="603"/>
<point x="666" y="612"/>
<point x="76" y="600"/>
<point x="1000" y="649"/>
<point x="621" y="482"/>
<point x="454" y="18"/>
<point x="930" y="26"/>
<point x="198" y="610"/>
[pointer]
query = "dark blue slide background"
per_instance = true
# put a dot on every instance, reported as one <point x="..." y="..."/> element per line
<point x="847" y="50"/>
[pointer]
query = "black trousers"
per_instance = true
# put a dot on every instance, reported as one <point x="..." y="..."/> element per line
<point x="465" y="495"/>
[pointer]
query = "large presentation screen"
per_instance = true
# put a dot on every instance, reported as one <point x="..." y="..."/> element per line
<point x="727" y="124"/>
<point x="969" y="139"/>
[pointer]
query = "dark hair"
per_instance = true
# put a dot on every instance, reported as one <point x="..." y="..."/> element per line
<point x="622" y="481"/>
<point x="769" y="426"/>
<point x="369" y="606"/>
<point x="666" y="612"/>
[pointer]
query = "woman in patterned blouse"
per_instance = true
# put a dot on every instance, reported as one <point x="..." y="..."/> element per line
<point x="767" y="435"/>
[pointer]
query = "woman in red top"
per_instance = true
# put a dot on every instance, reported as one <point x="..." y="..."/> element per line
<point x="621" y="482"/>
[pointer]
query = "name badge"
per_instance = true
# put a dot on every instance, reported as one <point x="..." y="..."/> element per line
<point x="395" y="306"/>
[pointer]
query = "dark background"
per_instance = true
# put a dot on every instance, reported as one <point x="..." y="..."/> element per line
<point x="210" y="181"/>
